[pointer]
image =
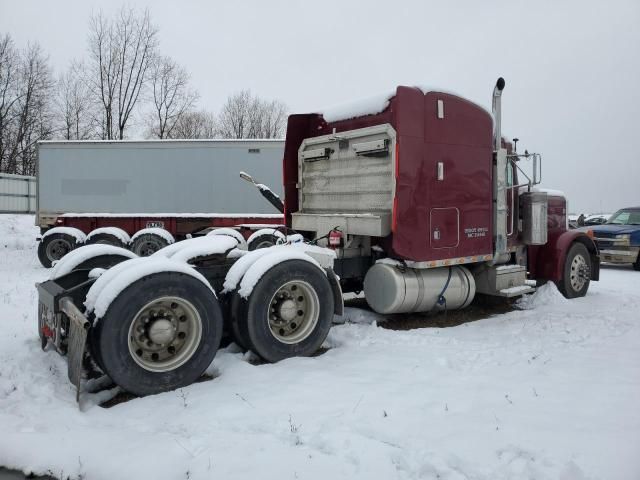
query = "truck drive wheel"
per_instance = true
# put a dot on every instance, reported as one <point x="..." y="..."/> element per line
<point x="159" y="334"/>
<point x="288" y="313"/>
<point x="55" y="246"/>
<point x="577" y="272"/>
<point x="147" y="244"/>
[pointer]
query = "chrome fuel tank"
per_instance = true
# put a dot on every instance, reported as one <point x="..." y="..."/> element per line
<point x="397" y="289"/>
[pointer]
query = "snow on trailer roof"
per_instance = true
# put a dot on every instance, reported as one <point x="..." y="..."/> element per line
<point x="178" y="215"/>
<point x="378" y="103"/>
<point x="161" y="141"/>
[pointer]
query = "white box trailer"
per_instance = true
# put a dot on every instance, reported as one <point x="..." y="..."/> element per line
<point x="115" y="191"/>
<point x="154" y="177"/>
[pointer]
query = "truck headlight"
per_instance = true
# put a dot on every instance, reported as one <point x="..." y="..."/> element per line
<point x="623" y="239"/>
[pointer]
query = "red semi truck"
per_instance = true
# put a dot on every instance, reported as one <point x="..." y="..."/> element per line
<point x="416" y="200"/>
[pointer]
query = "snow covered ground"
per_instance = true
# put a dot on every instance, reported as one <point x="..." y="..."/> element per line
<point x="549" y="392"/>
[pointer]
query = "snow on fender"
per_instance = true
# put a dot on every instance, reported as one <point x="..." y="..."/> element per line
<point x="197" y="247"/>
<point x="262" y="265"/>
<point x="161" y="232"/>
<point x="266" y="231"/>
<point x="113" y="231"/>
<point x="112" y="282"/>
<point x="323" y="257"/>
<point x="73" y="232"/>
<point x="74" y="258"/>
<point x="230" y="232"/>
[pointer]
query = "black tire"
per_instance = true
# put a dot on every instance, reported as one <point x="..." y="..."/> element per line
<point x="253" y="314"/>
<point x="263" y="241"/>
<point x="576" y="273"/>
<point x="111" y="336"/>
<point x="147" y="244"/>
<point x="55" y="246"/>
<point x="105" y="239"/>
<point x="636" y="265"/>
<point x="237" y="312"/>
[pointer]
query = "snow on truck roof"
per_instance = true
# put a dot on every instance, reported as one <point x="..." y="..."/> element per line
<point x="377" y="103"/>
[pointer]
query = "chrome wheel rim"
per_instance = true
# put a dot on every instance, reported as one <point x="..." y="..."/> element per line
<point x="165" y="334"/>
<point x="293" y="312"/>
<point x="578" y="276"/>
<point x="58" y="248"/>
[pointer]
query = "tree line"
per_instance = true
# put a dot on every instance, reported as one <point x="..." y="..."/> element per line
<point x="124" y="86"/>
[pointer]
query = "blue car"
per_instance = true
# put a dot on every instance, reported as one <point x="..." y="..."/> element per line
<point x="619" y="238"/>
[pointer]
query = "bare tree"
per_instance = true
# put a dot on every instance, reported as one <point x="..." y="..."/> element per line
<point x="194" y="125"/>
<point x="8" y="96"/>
<point x="25" y="116"/>
<point x="75" y="113"/>
<point x="172" y="97"/>
<point x="246" y="116"/>
<point x="234" y="120"/>
<point x="121" y="50"/>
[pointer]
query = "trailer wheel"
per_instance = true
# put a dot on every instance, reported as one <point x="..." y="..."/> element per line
<point x="159" y="334"/>
<point x="264" y="240"/>
<point x="289" y="311"/>
<point x="55" y="246"/>
<point x="636" y="265"/>
<point x="105" y="239"/>
<point x="147" y="244"/>
<point x="577" y="271"/>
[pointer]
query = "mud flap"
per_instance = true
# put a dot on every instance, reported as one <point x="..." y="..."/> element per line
<point x="78" y="330"/>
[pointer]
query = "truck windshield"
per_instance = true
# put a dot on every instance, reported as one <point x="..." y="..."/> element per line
<point x="625" y="217"/>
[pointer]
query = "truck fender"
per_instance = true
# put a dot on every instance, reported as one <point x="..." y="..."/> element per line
<point x="82" y="254"/>
<point x="274" y="256"/>
<point x="245" y="267"/>
<point x="76" y="233"/>
<point x="550" y="258"/>
<point x="112" y="282"/>
<point x="338" y="300"/>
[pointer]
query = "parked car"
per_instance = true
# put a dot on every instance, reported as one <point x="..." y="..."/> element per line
<point x="597" y="219"/>
<point x="619" y="238"/>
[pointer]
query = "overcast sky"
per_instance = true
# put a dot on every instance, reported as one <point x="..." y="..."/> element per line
<point x="572" y="67"/>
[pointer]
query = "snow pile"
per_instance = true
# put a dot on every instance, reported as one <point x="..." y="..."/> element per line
<point x="72" y="232"/>
<point x="267" y="262"/>
<point x="18" y="232"/>
<point x="111" y="283"/>
<point x="160" y="232"/>
<point x="113" y="231"/>
<point x="74" y="258"/>
<point x="546" y="295"/>
<point x="549" y="393"/>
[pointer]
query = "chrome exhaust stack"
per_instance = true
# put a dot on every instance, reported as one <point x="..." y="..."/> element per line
<point x="500" y="253"/>
<point x="496" y="109"/>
